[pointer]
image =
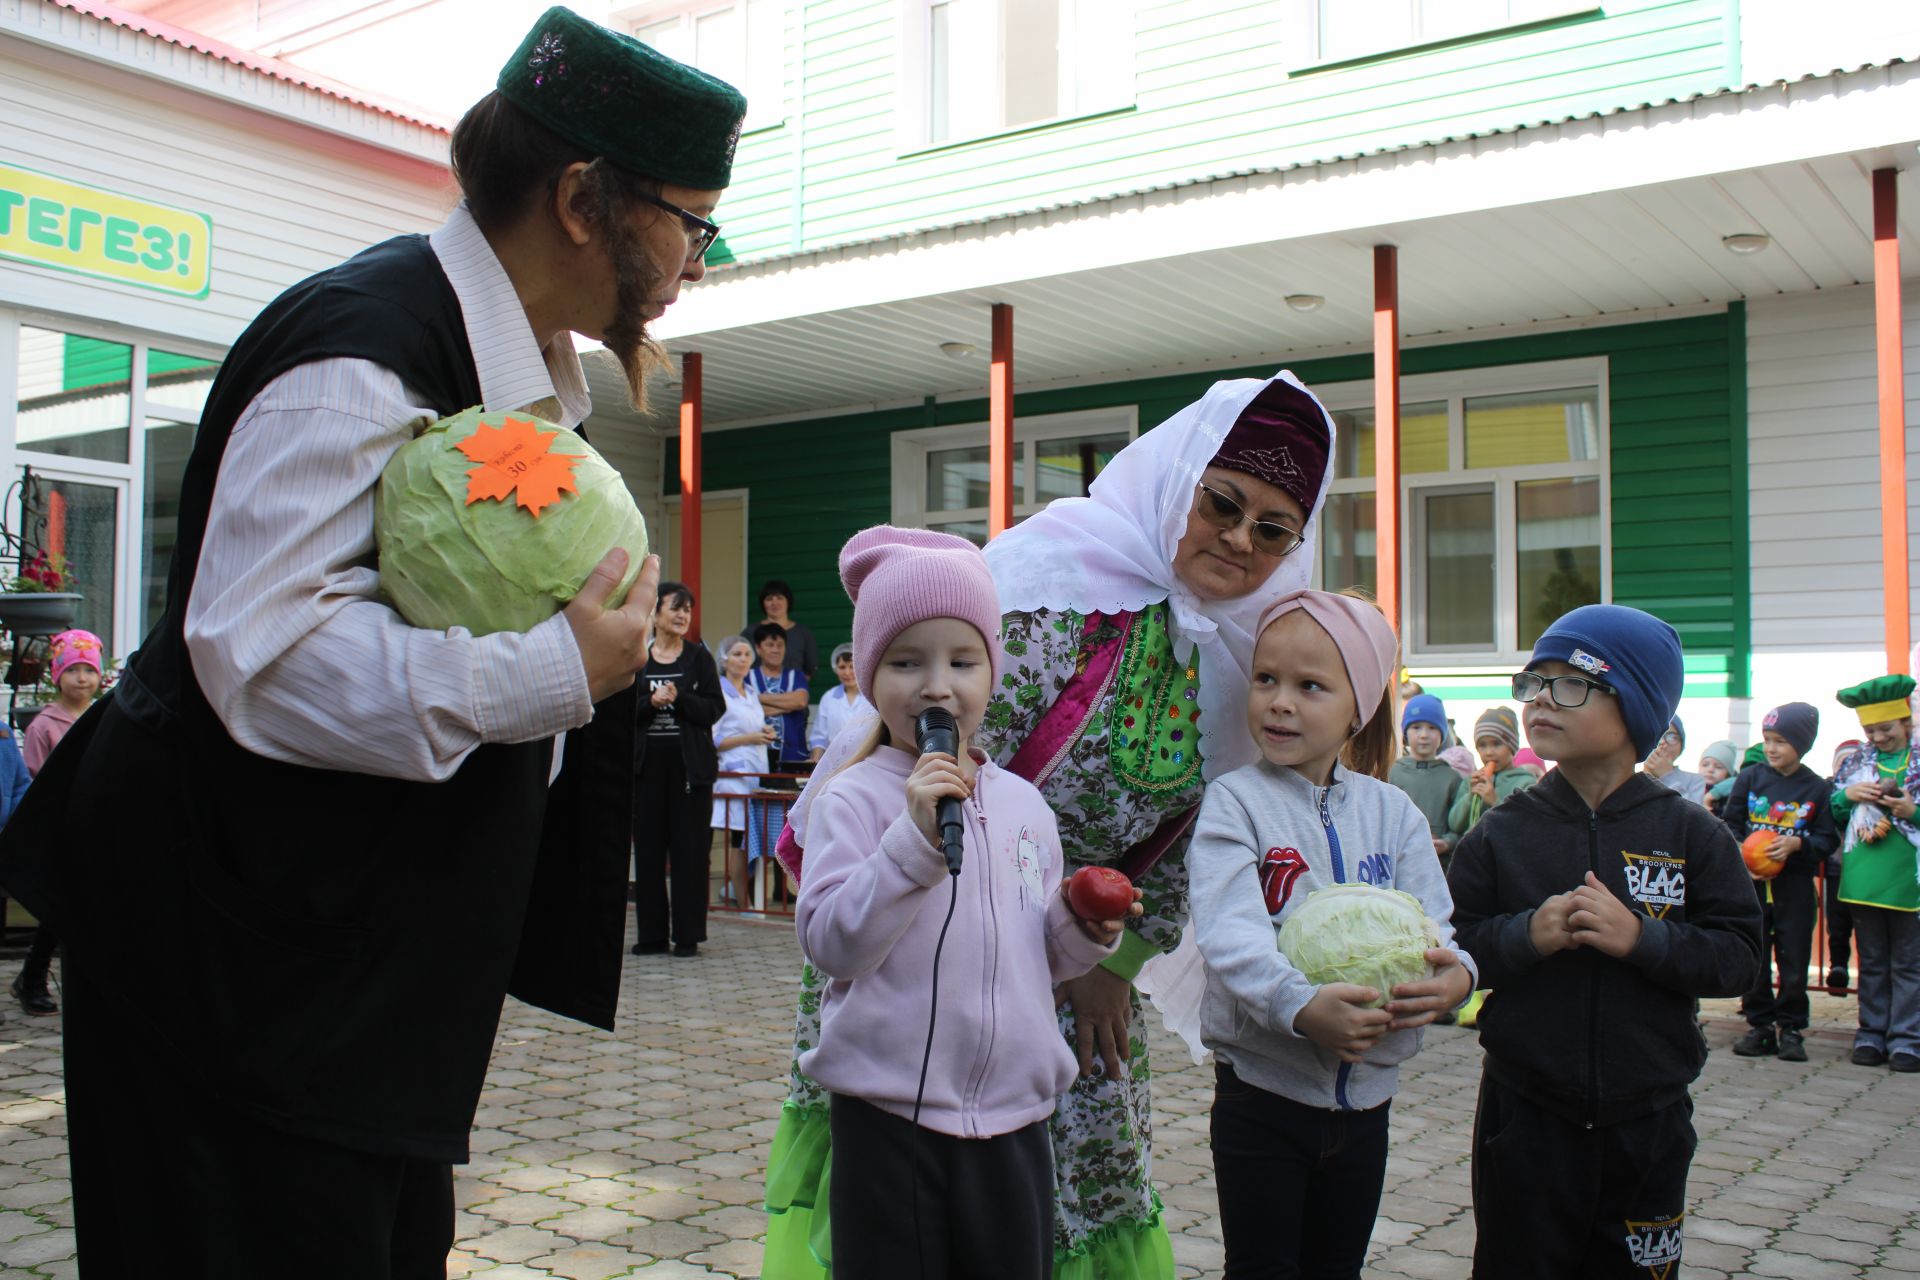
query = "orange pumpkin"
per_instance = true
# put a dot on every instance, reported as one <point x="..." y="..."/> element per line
<point x="1754" y="850"/>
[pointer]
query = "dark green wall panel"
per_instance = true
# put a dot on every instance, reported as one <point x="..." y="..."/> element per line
<point x="1676" y="410"/>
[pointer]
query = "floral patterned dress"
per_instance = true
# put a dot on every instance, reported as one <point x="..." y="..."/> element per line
<point x="1134" y="763"/>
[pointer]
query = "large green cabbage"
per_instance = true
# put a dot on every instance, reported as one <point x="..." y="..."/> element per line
<point x="1356" y="933"/>
<point x="489" y="565"/>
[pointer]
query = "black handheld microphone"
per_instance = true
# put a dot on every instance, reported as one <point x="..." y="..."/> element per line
<point x="936" y="731"/>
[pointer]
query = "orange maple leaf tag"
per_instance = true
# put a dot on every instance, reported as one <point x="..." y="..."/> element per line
<point x="516" y="458"/>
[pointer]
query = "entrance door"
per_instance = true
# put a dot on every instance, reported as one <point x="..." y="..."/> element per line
<point x="723" y="561"/>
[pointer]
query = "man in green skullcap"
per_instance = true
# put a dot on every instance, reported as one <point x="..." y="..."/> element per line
<point x="1873" y="802"/>
<point x="304" y="850"/>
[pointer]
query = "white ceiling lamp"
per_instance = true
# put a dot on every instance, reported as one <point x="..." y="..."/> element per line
<point x="1306" y="301"/>
<point x="1746" y="242"/>
<point x="958" y="350"/>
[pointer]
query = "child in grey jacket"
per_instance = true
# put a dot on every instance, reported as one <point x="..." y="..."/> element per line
<point x="1304" y="1070"/>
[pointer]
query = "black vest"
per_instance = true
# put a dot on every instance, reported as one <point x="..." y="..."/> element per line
<point x="326" y="950"/>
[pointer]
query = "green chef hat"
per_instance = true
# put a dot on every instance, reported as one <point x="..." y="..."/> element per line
<point x="616" y="96"/>
<point x="1880" y="699"/>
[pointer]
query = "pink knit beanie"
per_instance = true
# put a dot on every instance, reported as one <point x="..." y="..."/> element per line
<point x="898" y="577"/>
<point x="72" y="648"/>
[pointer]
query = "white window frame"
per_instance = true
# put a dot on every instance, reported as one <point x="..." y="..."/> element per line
<point x="913" y="106"/>
<point x="910" y="450"/>
<point x="1455" y="389"/>
<point x="128" y="478"/>
<point x="1522" y="13"/>
<point x="764" y="53"/>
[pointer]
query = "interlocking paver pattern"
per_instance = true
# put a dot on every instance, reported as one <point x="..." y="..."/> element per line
<point x="640" y="1153"/>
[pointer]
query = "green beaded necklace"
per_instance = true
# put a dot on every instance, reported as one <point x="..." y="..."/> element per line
<point x="1152" y="742"/>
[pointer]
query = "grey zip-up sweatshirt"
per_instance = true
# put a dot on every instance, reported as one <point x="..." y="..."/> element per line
<point x="1266" y="837"/>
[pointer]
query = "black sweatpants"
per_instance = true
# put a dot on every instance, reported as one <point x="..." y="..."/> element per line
<point x="1554" y="1198"/>
<point x="671" y="836"/>
<point x="1299" y="1186"/>
<point x="167" y="1185"/>
<point x="985" y="1204"/>
<point x="1788" y="908"/>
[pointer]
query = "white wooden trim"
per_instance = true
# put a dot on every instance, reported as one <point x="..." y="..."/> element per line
<point x="910" y="449"/>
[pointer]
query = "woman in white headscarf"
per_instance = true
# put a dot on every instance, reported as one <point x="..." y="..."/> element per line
<point x="1129" y="630"/>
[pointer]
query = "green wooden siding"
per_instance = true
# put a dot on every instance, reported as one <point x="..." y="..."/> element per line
<point x="1218" y="87"/>
<point x="1678" y="473"/>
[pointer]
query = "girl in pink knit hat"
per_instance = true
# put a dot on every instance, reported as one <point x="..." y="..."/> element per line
<point x="74" y="664"/>
<point x="950" y="1115"/>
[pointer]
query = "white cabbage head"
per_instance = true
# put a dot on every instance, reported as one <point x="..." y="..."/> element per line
<point x="1359" y="934"/>
<point x="490" y="565"/>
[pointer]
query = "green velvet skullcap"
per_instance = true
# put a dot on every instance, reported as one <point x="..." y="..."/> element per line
<point x="1880" y="699"/>
<point x="620" y="98"/>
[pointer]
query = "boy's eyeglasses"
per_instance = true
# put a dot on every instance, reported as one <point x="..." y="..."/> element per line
<point x="1222" y="512"/>
<point x="700" y="233"/>
<point x="1566" y="691"/>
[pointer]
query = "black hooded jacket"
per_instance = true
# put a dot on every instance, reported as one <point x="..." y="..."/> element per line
<point x="1597" y="1039"/>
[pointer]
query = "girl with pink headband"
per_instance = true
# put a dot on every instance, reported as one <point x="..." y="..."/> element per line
<point x="1304" y="1070"/>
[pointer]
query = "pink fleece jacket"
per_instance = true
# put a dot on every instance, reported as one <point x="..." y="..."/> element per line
<point x="871" y="905"/>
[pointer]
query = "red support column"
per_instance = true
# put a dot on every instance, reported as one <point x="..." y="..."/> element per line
<point x="690" y="481"/>
<point x="1000" y="433"/>
<point x="1893" y="421"/>
<point x="1386" y="430"/>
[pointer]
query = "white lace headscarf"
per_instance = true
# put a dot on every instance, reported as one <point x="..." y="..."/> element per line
<point x="1114" y="549"/>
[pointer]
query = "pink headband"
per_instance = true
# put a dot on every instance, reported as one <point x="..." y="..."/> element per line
<point x="1360" y="632"/>
<point x="69" y="648"/>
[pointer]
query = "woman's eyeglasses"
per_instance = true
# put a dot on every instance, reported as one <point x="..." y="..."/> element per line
<point x="700" y="233"/>
<point x="1222" y="512"/>
<point x="1566" y="691"/>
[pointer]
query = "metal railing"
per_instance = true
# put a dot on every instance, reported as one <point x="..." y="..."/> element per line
<point x="753" y="821"/>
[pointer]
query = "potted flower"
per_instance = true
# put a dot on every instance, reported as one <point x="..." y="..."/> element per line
<point x="36" y="601"/>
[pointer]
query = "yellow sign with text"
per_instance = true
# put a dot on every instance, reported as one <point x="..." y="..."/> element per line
<point x="71" y="227"/>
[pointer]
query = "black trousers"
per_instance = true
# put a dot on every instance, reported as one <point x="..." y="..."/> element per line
<point x="1839" y="925"/>
<point x="985" y="1204"/>
<point x="670" y="837"/>
<point x="1787" y="927"/>
<point x="168" y="1186"/>
<point x="1554" y="1198"/>
<point x="1299" y="1186"/>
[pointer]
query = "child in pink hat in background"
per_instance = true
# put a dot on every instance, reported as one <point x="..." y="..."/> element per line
<point x="74" y="664"/>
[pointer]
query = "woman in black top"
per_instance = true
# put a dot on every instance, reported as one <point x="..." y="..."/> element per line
<point x="674" y="767"/>
<point x="803" y="655"/>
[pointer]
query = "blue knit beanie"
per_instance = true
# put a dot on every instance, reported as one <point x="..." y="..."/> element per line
<point x="1424" y="708"/>
<point x="1680" y="732"/>
<point x="1634" y="652"/>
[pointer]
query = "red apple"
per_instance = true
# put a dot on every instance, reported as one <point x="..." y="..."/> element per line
<point x="1099" y="893"/>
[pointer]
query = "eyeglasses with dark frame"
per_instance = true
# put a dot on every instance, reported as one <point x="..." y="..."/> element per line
<point x="1222" y="512"/>
<point x="700" y="233"/>
<point x="1565" y="691"/>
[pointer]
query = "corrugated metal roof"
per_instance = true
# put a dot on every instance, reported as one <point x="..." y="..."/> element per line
<point x="1315" y="162"/>
<point x="269" y="67"/>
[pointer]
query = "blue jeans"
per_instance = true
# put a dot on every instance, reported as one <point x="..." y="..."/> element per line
<point x="1299" y="1186"/>
<point x="1888" y="947"/>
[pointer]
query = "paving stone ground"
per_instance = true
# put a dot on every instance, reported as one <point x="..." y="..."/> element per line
<point x="640" y="1153"/>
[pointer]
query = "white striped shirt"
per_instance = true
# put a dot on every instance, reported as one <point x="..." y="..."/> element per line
<point x="290" y="641"/>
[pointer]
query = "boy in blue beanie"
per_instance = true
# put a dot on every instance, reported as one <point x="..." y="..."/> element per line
<point x="1599" y="905"/>
<point x="1431" y="782"/>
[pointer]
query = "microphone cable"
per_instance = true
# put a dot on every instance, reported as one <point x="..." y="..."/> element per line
<point x="926" y="1056"/>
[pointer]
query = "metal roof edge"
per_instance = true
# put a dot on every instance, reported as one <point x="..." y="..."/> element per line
<point x="417" y="134"/>
<point x="900" y="238"/>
